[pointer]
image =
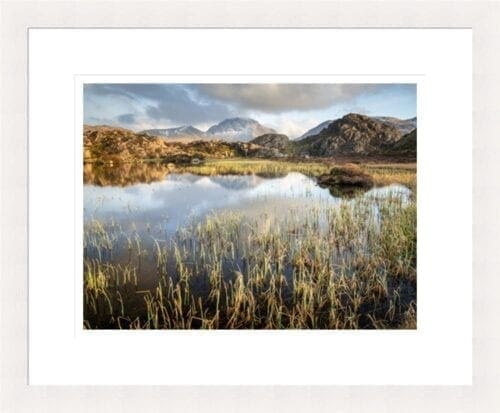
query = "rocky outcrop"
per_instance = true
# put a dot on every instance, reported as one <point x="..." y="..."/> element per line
<point x="257" y="151"/>
<point x="353" y="134"/>
<point x="273" y="140"/>
<point x="111" y="145"/>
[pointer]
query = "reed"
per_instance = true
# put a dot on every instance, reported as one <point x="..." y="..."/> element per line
<point x="264" y="167"/>
<point x="325" y="267"/>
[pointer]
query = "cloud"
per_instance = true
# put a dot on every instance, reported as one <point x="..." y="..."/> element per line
<point x="180" y="108"/>
<point x="293" y="129"/>
<point x="290" y="108"/>
<point x="128" y="118"/>
<point x="134" y="91"/>
<point x="163" y="104"/>
<point x="287" y="97"/>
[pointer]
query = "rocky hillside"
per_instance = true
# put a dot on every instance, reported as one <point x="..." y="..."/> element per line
<point x="407" y="145"/>
<point x="273" y="140"/>
<point x="403" y="125"/>
<point x="109" y="143"/>
<point x="117" y="145"/>
<point x="112" y="145"/>
<point x="352" y="134"/>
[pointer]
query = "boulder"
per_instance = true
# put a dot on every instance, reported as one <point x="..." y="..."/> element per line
<point x="346" y="177"/>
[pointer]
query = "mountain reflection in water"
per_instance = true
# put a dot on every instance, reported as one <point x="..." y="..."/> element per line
<point x="124" y="174"/>
<point x="173" y="200"/>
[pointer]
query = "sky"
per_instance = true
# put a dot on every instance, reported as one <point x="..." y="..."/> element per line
<point x="291" y="109"/>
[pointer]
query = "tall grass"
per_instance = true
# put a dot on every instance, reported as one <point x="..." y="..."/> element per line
<point x="265" y="167"/>
<point x="324" y="267"/>
<point x="405" y="174"/>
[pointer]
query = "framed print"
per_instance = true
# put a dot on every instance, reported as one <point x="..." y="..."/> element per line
<point x="223" y="202"/>
<point x="250" y="206"/>
<point x="238" y="225"/>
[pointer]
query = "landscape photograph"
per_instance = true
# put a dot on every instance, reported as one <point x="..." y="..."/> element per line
<point x="249" y="206"/>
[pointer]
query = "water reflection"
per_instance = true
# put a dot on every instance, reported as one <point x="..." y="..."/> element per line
<point x="150" y="220"/>
<point x="172" y="201"/>
<point x="124" y="174"/>
<point x="154" y="212"/>
<point x="128" y="174"/>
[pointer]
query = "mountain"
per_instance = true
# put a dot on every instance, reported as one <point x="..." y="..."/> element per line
<point x="272" y="140"/>
<point x="316" y="129"/>
<point x="113" y="145"/>
<point x="403" y="125"/>
<point x="352" y="134"/>
<point x="234" y="129"/>
<point x="238" y="129"/>
<point x="407" y="145"/>
<point x="236" y="182"/>
<point x="187" y="131"/>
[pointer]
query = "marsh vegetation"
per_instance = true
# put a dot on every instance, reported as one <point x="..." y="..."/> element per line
<point x="248" y="244"/>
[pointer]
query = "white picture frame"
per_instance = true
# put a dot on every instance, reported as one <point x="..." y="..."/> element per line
<point x="304" y="398"/>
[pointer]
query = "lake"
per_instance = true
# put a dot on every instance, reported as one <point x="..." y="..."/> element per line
<point x="172" y="202"/>
<point x="183" y="229"/>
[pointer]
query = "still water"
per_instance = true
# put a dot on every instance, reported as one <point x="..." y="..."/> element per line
<point x="129" y="217"/>
<point x="168" y="204"/>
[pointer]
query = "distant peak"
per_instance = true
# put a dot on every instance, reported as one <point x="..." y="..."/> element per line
<point x="238" y="128"/>
<point x="239" y="119"/>
<point x="178" y="131"/>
